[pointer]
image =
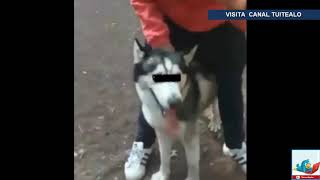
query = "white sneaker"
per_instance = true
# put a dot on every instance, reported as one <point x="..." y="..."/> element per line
<point x="239" y="155"/>
<point x="135" y="167"/>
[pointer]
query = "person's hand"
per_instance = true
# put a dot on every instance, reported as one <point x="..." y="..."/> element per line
<point x="167" y="47"/>
<point x="234" y="4"/>
<point x="238" y="4"/>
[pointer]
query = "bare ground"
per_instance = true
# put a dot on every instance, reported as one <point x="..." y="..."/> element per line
<point x="106" y="104"/>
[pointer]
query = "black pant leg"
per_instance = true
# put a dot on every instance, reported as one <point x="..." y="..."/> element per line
<point x="223" y="51"/>
<point x="181" y="39"/>
<point x="146" y="133"/>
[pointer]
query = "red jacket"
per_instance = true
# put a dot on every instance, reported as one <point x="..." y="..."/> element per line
<point x="190" y="14"/>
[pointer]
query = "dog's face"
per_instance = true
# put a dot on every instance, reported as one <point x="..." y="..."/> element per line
<point x="150" y="62"/>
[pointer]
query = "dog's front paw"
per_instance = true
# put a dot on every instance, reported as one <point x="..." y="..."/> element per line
<point x="214" y="125"/>
<point x="159" y="176"/>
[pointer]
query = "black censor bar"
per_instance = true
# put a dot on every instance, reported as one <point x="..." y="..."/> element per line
<point x="166" y="78"/>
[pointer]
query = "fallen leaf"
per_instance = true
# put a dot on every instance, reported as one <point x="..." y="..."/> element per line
<point x="113" y="24"/>
<point x="81" y="153"/>
<point x="205" y="149"/>
<point x="80" y="129"/>
<point x="100" y="117"/>
<point x="112" y="109"/>
<point x="85" y="173"/>
<point x="174" y="153"/>
<point x="114" y="157"/>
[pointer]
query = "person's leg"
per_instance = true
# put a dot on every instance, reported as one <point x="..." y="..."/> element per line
<point x="181" y="39"/>
<point x="135" y="166"/>
<point x="229" y="79"/>
<point x="223" y="51"/>
<point x="146" y="133"/>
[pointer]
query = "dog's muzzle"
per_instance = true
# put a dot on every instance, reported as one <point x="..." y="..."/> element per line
<point x="174" y="103"/>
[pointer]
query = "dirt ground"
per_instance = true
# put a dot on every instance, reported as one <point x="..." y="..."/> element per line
<point x="106" y="104"/>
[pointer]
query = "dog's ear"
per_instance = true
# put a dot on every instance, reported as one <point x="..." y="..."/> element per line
<point x="181" y="61"/>
<point x="138" y="51"/>
<point x="189" y="56"/>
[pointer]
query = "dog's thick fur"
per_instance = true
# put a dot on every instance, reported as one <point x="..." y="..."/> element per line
<point x="196" y="90"/>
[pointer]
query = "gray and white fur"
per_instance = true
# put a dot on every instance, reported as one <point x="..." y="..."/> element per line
<point x="193" y="95"/>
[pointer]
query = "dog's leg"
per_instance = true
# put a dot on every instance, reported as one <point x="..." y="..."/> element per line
<point x="165" y="144"/>
<point x="217" y="123"/>
<point x="192" y="149"/>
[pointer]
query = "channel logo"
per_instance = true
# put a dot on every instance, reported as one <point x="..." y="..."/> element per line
<point x="305" y="164"/>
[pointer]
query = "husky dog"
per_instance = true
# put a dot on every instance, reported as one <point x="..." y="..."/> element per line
<point x="173" y="108"/>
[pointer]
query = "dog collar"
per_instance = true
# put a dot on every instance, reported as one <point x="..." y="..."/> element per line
<point x="157" y="100"/>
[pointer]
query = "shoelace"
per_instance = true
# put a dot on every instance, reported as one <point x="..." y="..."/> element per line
<point x="135" y="156"/>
